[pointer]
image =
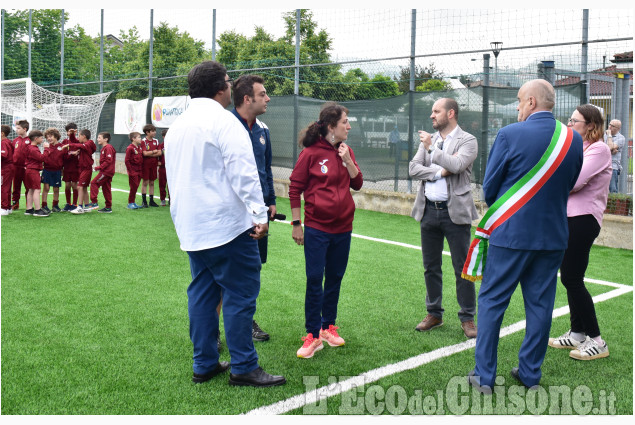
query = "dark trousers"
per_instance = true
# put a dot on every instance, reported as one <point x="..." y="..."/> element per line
<point x="105" y="182"/>
<point x="583" y="230"/>
<point x="326" y="258"/>
<point x="537" y="272"/>
<point x="435" y="226"/>
<point x="230" y="271"/>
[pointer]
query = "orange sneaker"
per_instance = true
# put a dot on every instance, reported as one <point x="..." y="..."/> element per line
<point x="310" y="346"/>
<point x="331" y="337"/>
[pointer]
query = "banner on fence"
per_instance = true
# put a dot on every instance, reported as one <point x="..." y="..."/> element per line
<point x="130" y="115"/>
<point x="165" y="110"/>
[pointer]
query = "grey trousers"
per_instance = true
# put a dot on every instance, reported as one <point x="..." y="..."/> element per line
<point x="435" y="225"/>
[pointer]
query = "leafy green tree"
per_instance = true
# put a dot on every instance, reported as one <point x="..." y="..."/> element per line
<point x="422" y="74"/>
<point x="174" y="53"/>
<point x="433" y="85"/>
<point x="81" y="56"/>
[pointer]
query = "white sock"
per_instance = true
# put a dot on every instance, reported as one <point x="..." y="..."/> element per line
<point x="599" y="340"/>
<point x="578" y="336"/>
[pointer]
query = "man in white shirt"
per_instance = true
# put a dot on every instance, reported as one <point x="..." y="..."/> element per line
<point x="445" y="208"/>
<point x="218" y="212"/>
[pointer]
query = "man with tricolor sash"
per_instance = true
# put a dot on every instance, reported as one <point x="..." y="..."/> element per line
<point x="532" y="166"/>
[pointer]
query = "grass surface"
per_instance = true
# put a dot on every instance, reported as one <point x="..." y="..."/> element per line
<point x="94" y="320"/>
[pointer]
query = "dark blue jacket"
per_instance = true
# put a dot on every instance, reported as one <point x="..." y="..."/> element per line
<point x="541" y="224"/>
<point x="261" y="142"/>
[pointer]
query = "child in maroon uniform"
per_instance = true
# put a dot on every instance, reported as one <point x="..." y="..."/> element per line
<point x="7" y="170"/>
<point x="134" y="166"/>
<point x="151" y="153"/>
<point x="71" y="167"/>
<point x="106" y="168"/>
<point x="20" y="147"/>
<point x="33" y="162"/>
<point x="163" y="179"/>
<point x="86" y="149"/>
<point x="52" y="174"/>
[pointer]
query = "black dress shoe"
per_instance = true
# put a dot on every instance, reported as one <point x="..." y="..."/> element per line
<point x="258" y="334"/>
<point x="475" y="381"/>
<point x="220" y="368"/>
<point x="256" y="378"/>
<point x="516" y="375"/>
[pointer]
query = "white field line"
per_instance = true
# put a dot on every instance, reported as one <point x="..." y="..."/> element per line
<point x="374" y="375"/>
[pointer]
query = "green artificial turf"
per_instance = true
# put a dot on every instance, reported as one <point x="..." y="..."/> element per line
<point x="94" y="321"/>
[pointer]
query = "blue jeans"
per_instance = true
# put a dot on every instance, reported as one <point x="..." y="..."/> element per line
<point x="614" y="181"/>
<point x="326" y="257"/>
<point x="230" y="271"/>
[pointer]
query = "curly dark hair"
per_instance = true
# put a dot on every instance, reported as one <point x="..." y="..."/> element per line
<point x="206" y="79"/>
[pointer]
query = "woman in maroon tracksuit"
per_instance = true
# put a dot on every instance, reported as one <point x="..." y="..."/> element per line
<point x="325" y="172"/>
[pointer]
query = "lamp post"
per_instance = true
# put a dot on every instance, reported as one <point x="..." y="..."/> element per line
<point x="497" y="46"/>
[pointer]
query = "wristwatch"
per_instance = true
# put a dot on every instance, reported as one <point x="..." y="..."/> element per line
<point x="296" y="223"/>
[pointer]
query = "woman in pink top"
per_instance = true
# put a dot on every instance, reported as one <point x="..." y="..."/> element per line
<point x="585" y="209"/>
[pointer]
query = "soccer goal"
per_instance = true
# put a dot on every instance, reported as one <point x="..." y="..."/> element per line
<point x="22" y="99"/>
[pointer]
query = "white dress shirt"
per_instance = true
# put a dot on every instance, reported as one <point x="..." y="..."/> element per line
<point x="437" y="189"/>
<point x="215" y="192"/>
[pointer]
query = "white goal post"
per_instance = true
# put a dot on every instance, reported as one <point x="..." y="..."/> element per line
<point x="23" y="99"/>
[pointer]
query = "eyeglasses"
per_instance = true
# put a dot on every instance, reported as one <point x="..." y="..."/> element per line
<point x="574" y="121"/>
<point x="611" y="125"/>
<point x="230" y="82"/>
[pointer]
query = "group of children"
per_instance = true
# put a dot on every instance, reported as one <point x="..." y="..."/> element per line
<point x="145" y="161"/>
<point x="71" y="161"/>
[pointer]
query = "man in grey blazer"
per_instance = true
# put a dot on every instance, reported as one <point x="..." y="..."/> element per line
<point x="445" y="208"/>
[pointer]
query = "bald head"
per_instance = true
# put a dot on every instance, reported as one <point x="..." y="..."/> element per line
<point x="533" y="96"/>
<point x="615" y="126"/>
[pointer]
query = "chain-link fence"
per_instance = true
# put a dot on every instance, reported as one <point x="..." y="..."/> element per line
<point x="387" y="67"/>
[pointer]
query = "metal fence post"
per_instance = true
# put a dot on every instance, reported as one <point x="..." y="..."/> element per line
<point x="625" y="130"/>
<point x="62" y="57"/>
<point x="30" y="37"/>
<point x="584" y="77"/>
<point x="101" y="54"/>
<point x="150" y="55"/>
<point x="484" y="119"/>
<point x="296" y="85"/>
<point x="2" y="48"/>
<point x="411" y="103"/>
<point x="214" y="34"/>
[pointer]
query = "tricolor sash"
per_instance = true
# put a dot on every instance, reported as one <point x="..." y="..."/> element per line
<point x="514" y="199"/>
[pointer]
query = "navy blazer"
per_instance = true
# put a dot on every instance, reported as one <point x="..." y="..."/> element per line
<point x="541" y="224"/>
<point x="261" y="142"/>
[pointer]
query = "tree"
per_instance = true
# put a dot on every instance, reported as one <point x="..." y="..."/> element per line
<point x="325" y="81"/>
<point x="422" y="74"/>
<point x="81" y="58"/>
<point x="432" y="85"/>
<point x="174" y="53"/>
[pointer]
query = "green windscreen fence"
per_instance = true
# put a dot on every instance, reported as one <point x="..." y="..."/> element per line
<point x="482" y="112"/>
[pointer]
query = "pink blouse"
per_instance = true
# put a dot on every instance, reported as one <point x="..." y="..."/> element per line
<point x="591" y="190"/>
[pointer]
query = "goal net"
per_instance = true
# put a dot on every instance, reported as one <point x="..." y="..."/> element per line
<point x="24" y="100"/>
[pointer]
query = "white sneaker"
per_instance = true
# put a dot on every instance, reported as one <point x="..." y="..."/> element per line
<point x="78" y="210"/>
<point x="5" y="212"/>
<point x="565" y="341"/>
<point x="590" y="350"/>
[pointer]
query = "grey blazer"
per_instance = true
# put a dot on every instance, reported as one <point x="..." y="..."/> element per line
<point x="457" y="159"/>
